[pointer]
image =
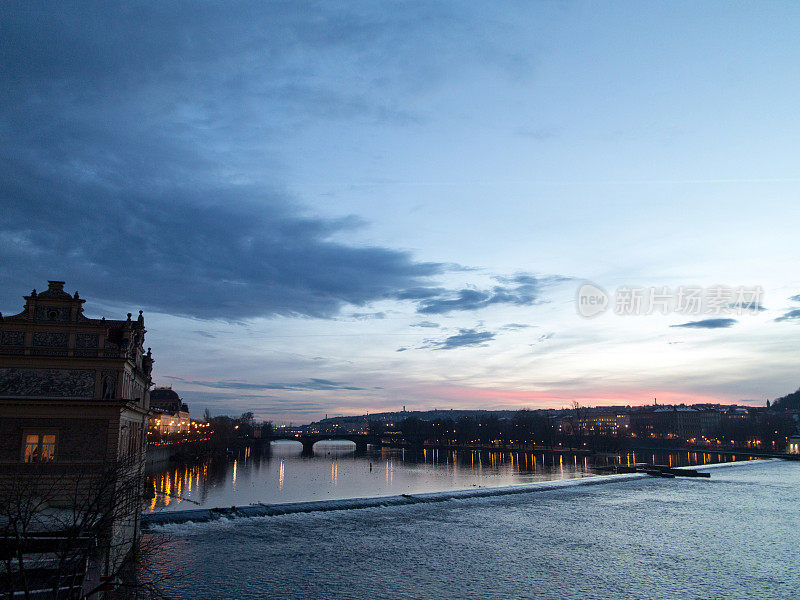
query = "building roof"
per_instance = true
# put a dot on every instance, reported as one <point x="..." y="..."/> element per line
<point x="167" y="399"/>
<point x="164" y="393"/>
<point x="55" y="298"/>
<point x="56" y="291"/>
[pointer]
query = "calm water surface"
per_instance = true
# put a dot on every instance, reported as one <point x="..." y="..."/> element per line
<point x="336" y="471"/>
<point x="734" y="536"/>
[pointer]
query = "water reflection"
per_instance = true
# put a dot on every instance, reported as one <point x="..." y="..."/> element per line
<point x="280" y="473"/>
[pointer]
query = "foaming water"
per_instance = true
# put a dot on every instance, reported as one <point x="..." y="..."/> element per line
<point x="732" y="536"/>
<point x="201" y="515"/>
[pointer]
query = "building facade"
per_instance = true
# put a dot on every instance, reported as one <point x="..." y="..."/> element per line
<point x="604" y="425"/>
<point x="169" y="415"/>
<point x="166" y="399"/>
<point x="171" y="424"/>
<point x="74" y="400"/>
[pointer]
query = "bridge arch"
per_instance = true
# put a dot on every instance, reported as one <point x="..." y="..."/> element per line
<point x="332" y="438"/>
<point x="287" y="447"/>
<point x="360" y="440"/>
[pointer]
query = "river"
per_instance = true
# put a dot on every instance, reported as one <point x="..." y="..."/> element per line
<point x="733" y="536"/>
<point x="335" y="471"/>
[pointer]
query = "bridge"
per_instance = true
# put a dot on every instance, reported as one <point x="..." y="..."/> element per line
<point x="361" y="440"/>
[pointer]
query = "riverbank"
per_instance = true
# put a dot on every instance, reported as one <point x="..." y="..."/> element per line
<point x="602" y="450"/>
<point x="158" y="454"/>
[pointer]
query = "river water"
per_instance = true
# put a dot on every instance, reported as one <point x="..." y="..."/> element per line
<point x="335" y="471"/>
<point x="733" y="536"/>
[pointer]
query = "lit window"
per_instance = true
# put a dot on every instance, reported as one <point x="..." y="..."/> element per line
<point x="40" y="447"/>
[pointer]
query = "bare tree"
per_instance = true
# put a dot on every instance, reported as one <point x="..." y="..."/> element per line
<point x="68" y="532"/>
<point x="576" y="422"/>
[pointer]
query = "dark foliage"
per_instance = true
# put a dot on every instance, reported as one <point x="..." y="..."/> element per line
<point x="788" y="402"/>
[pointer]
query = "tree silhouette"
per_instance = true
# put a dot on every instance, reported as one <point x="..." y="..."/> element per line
<point x="62" y="527"/>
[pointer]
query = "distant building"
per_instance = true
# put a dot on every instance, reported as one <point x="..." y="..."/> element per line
<point x="643" y="421"/>
<point x="605" y="425"/>
<point x="685" y="422"/>
<point x="793" y="445"/>
<point x="680" y="421"/>
<point x="608" y="425"/>
<point x="169" y="414"/>
<point x="74" y="399"/>
<point x="166" y="399"/>
<point x="167" y="424"/>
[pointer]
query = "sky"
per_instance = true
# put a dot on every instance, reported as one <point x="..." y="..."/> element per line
<point x="330" y="208"/>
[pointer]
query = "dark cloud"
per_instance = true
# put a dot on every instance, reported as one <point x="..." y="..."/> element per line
<point x="541" y="340"/>
<point x="368" y="316"/>
<point x="205" y="333"/>
<point x="792" y="315"/>
<point x="795" y="298"/>
<point x="218" y="256"/>
<point x="427" y="324"/>
<point x="464" y="337"/>
<point x="210" y="61"/>
<point x="311" y="384"/>
<point x="516" y="326"/>
<point x="522" y="289"/>
<point x="264" y="406"/>
<point x="465" y="299"/>
<point x="708" y="324"/>
<point x="420" y="293"/>
<point x="752" y="307"/>
<point x="139" y="156"/>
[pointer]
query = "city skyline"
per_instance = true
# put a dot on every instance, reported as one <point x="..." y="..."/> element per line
<point x="327" y="211"/>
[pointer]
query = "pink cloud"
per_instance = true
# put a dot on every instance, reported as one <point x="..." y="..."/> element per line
<point x="469" y="397"/>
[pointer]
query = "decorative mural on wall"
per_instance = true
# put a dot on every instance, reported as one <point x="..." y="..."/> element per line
<point x="12" y="338"/>
<point x="50" y="339"/>
<point x="47" y="383"/>
<point x="86" y="340"/>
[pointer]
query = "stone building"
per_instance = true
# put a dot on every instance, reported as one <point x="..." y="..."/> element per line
<point x="169" y="414"/>
<point x="74" y="400"/>
<point x="166" y="399"/>
<point x="604" y="425"/>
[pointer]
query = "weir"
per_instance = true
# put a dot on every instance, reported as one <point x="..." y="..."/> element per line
<point x="202" y="515"/>
<point x="150" y="520"/>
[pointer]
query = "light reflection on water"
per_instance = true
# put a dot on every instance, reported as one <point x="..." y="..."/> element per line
<point x="281" y="474"/>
